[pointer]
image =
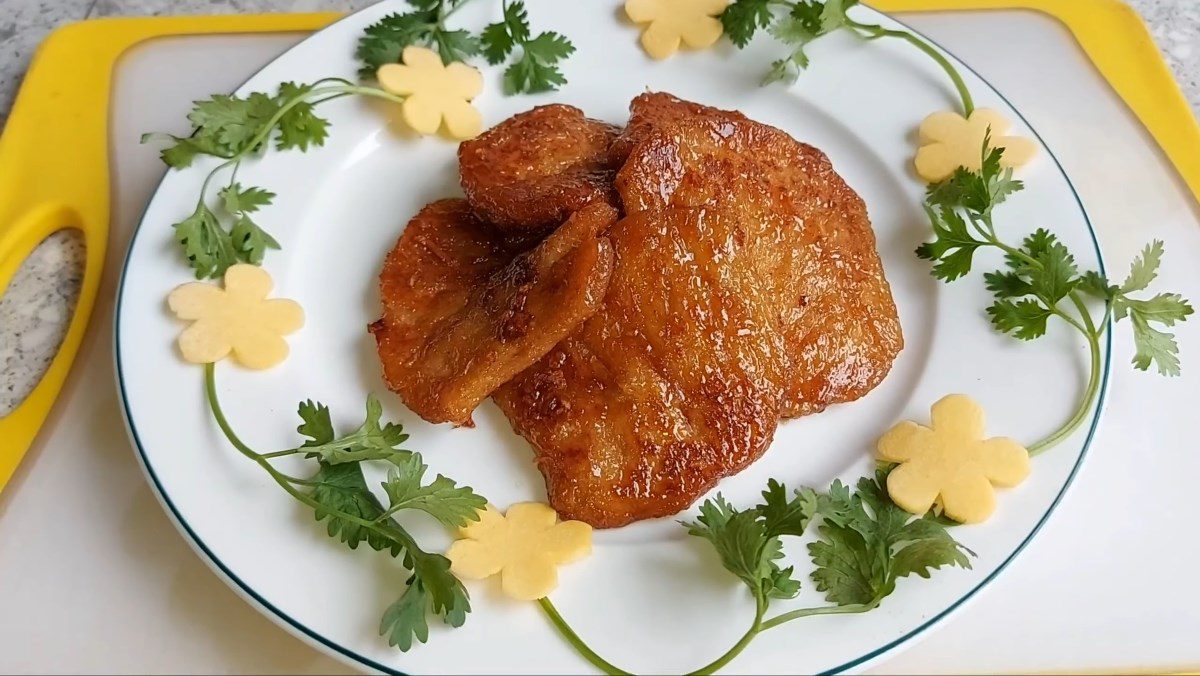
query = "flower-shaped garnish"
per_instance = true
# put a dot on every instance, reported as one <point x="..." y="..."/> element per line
<point x="526" y="546"/>
<point x="951" y="462"/>
<point x="435" y="93"/>
<point x="949" y="141"/>
<point x="693" y="22"/>
<point x="238" y="319"/>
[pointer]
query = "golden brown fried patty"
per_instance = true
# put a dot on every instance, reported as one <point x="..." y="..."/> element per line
<point x="465" y="307"/>
<point x="746" y="287"/>
<point x="534" y="169"/>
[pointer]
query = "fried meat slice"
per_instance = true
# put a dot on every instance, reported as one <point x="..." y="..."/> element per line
<point x="533" y="170"/>
<point x="670" y="386"/>
<point x="465" y="308"/>
<point x="830" y="298"/>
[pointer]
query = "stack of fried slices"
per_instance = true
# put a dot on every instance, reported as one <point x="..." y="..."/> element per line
<point x="644" y="304"/>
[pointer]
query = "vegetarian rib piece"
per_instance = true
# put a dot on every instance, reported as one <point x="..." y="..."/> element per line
<point x="831" y="300"/>
<point x="533" y="170"/>
<point x="746" y="287"/>
<point x="465" y="307"/>
<point x="652" y="111"/>
<point x="669" y="386"/>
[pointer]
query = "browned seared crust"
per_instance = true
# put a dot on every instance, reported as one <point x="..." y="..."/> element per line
<point x="832" y="302"/>
<point x="465" y="308"/>
<point x="668" y="387"/>
<point x="656" y="110"/>
<point x="746" y="287"/>
<point x="534" y="169"/>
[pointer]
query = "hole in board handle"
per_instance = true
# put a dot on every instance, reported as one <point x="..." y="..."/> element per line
<point x="35" y="311"/>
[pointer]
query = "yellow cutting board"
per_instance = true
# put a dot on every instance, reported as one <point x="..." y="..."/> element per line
<point x="54" y="164"/>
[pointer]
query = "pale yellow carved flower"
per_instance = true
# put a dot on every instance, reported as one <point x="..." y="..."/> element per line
<point x="434" y="93"/>
<point x="238" y="319"/>
<point x="949" y="141"/>
<point x="525" y="547"/>
<point x="670" y="22"/>
<point x="950" y="462"/>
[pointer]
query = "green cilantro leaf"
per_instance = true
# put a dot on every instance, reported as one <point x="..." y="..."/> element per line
<point x="807" y="21"/>
<point x="866" y="542"/>
<point x="979" y="192"/>
<point x="1144" y="268"/>
<point x="371" y="441"/>
<point x="953" y="246"/>
<point x="250" y="242"/>
<point x="499" y="39"/>
<point x="405" y="620"/>
<point x="454" y="46"/>
<point x="783" y="516"/>
<point x="1154" y="346"/>
<point x="1025" y="319"/>
<point x="743" y="18"/>
<point x="1054" y="276"/>
<point x="443" y="499"/>
<point x="384" y="41"/>
<point x="432" y="588"/>
<point x="208" y="248"/>
<point x="745" y="547"/>
<point x="1007" y="284"/>
<point x="342" y="489"/>
<point x="848" y="572"/>
<point x="244" y="201"/>
<point x="1096" y="285"/>
<point x="537" y="69"/>
<point x="1165" y="309"/>
<point x="300" y="126"/>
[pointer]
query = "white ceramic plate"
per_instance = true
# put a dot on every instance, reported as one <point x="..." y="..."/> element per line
<point x="650" y="598"/>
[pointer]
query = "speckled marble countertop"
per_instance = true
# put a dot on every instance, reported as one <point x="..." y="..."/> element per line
<point x="35" y="308"/>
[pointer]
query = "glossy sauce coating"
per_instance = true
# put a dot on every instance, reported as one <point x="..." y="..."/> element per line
<point x="668" y="387"/>
<point x="746" y="287"/>
<point x="465" y="308"/>
<point x="533" y="170"/>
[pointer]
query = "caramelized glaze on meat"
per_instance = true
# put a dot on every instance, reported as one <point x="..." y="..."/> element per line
<point x="746" y="287"/>
<point x="831" y="299"/>
<point x="669" y="386"/>
<point x="465" y="308"/>
<point x="652" y="111"/>
<point x="533" y="170"/>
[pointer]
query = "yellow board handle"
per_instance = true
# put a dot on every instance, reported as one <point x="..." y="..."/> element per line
<point x="54" y="170"/>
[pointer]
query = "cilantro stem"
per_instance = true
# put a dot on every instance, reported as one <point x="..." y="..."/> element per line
<point x="874" y="31"/>
<point x="760" y="607"/>
<point x="1089" y="395"/>
<point x="1090" y="332"/>
<point x="397" y="535"/>
<point x="820" y="610"/>
<point x="577" y="643"/>
<point x="280" y="454"/>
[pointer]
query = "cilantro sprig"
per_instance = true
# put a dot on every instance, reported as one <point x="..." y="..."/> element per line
<point x="797" y="23"/>
<point x="385" y="40"/>
<point x="338" y="494"/>
<point x="537" y="69"/>
<point x="1041" y="280"/>
<point x="235" y="128"/>
<point x="865" y="544"/>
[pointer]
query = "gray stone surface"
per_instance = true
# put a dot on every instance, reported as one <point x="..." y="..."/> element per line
<point x="35" y="309"/>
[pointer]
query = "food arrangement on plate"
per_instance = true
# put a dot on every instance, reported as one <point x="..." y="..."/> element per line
<point x="646" y="301"/>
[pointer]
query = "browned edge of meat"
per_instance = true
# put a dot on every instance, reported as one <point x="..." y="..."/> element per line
<point x="465" y="308"/>
<point x="533" y="170"/>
